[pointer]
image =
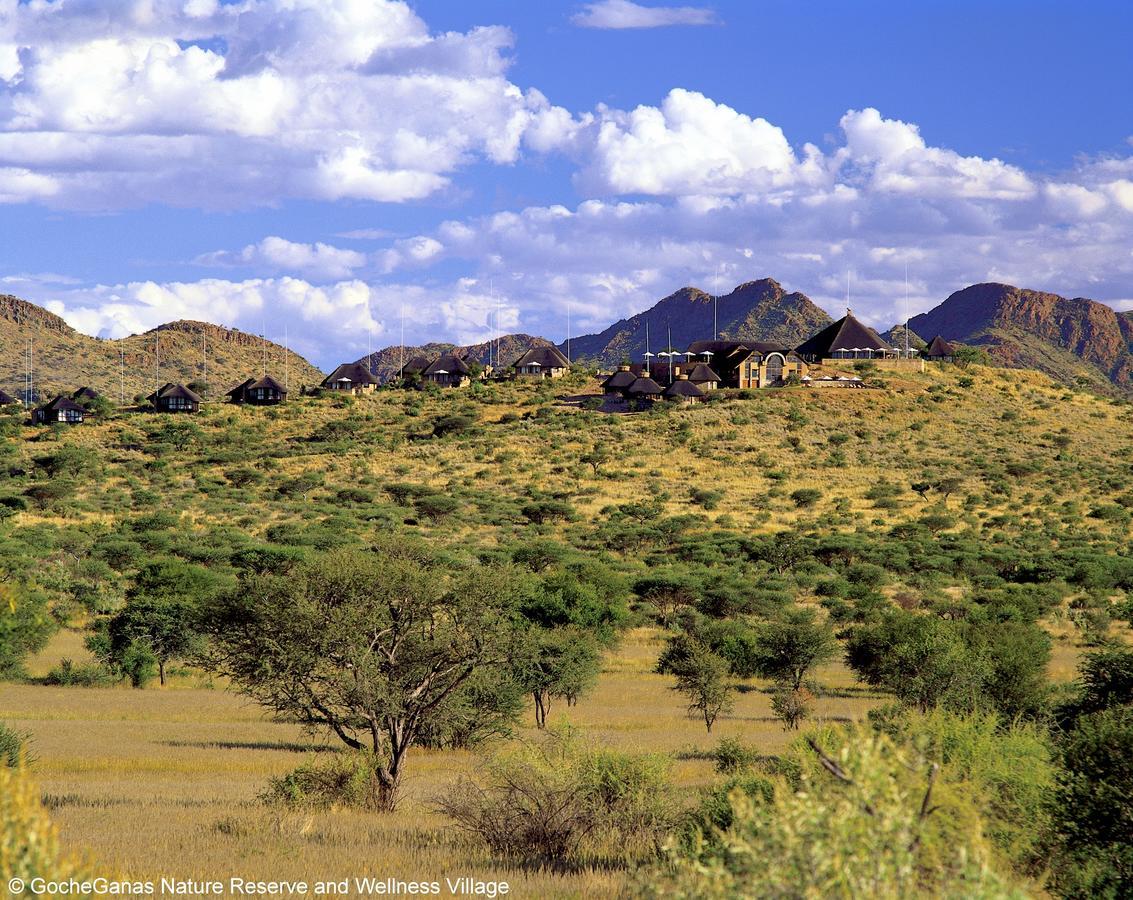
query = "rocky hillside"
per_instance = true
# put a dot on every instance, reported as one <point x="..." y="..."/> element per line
<point x="1077" y="341"/>
<point x="895" y="337"/>
<point x="757" y="310"/>
<point x="66" y="359"/>
<point x="386" y="363"/>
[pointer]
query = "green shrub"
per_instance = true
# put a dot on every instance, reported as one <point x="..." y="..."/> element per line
<point x="563" y="800"/>
<point x="855" y="825"/>
<point x="1092" y="812"/>
<point x="13" y="747"/>
<point x="732" y="756"/>
<point x="67" y="674"/>
<point x="547" y="511"/>
<point x="344" y="780"/>
<point x="804" y="497"/>
<point x="436" y="507"/>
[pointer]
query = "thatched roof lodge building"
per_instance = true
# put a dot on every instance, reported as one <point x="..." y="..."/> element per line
<point x="174" y="398"/>
<point x="265" y="391"/>
<point x="86" y="395"/>
<point x="848" y="338"/>
<point x="61" y="411"/>
<point x="644" y="390"/>
<point x="704" y="377"/>
<point x="619" y="381"/>
<point x="682" y="390"/>
<point x="939" y="350"/>
<point x="448" y="371"/>
<point x="353" y="378"/>
<point x="6" y="399"/>
<point x="414" y="367"/>
<point x="542" y="362"/>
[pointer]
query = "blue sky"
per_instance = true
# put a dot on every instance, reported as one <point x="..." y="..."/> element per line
<point x="330" y="166"/>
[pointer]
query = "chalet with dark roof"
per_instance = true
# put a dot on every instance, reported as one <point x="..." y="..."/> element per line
<point x="939" y="350"/>
<point x="175" y="398"/>
<point x="644" y="390"/>
<point x="541" y="362"/>
<point x="415" y="367"/>
<point x="704" y="377"/>
<point x="448" y="371"/>
<point x="61" y="411"/>
<point x="682" y="390"/>
<point x="86" y="395"/>
<point x="353" y="378"/>
<point x="847" y="338"/>
<point x="619" y="381"/>
<point x="6" y="399"/>
<point x="264" y="391"/>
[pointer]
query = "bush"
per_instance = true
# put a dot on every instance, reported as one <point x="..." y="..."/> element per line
<point x="67" y="674"/>
<point x="804" y="497"/>
<point x="13" y="747"/>
<point x="732" y="756"/>
<point x="436" y="507"/>
<point x="453" y="425"/>
<point x="25" y="626"/>
<point x="548" y="510"/>
<point x="562" y="800"/>
<point x="856" y="825"/>
<point x="347" y="779"/>
<point x="1093" y="815"/>
<point x="791" y="705"/>
<point x="706" y="498"/>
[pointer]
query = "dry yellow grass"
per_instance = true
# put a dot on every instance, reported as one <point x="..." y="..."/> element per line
<point x="165" y="782"/>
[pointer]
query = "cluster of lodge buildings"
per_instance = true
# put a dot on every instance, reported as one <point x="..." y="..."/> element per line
<point x="682" y="376"/>
<point x="449" y="370"/>
<point x="706" y="365"/>
<point x="169" y="398"/>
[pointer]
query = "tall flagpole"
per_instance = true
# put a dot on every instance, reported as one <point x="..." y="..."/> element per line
<point x="906" y="310"/>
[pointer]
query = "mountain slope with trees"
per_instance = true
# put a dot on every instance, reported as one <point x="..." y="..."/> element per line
<point x="386" y="363"/>
<point x="1076" y="341"/>
<point x="66" y="359"/>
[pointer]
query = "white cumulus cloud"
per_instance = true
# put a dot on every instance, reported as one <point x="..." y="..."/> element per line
<point x="615" y="14"/>
<point x="278" y="254"/>
<point x="234" y="105"/>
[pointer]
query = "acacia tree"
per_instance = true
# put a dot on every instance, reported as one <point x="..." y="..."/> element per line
<point x="557" y="662"/>
<point x="702" y="677"/>
<point x="789" y="647"/>
<point x="366" y="644"/>
<point x="160" y="616"/>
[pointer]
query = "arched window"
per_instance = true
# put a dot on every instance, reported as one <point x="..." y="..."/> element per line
<point x="775" y="364"/>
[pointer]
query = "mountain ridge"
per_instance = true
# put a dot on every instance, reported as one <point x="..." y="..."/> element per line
<point x="386" y="363"/>
<point x="755" y="310"/>
<point x="66" y="359"/>
<point x="1075" y="340"/>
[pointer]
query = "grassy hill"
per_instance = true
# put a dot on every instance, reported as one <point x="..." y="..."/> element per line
<point x="180" y="351"/>
<point x="1039" y="504"/>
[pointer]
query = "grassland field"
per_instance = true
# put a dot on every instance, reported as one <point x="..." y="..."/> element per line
<point x="166" y="780"/>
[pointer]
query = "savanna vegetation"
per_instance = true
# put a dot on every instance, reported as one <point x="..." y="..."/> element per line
<point x="784" y="643"/>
